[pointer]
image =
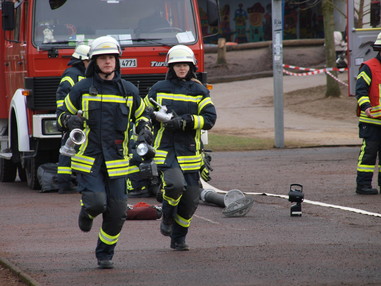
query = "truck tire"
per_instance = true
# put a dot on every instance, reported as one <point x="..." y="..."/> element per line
<point x="8" y="170"/>
<point x="16" y="158"/>
<point x="31" y="166"/>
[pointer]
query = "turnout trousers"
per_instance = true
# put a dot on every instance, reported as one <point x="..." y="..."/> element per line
<point x="180" y="197"/>
<point x="369" y="152"/>
<point x="102" y="195"/>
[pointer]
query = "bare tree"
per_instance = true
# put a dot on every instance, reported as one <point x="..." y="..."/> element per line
<point x="332" y="88"/>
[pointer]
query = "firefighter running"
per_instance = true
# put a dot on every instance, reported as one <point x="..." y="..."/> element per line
<point x="369" y="111"/>
<point x="76" y="72"/>
<point x="109" y="105"/>
<point x="178" y="141"/>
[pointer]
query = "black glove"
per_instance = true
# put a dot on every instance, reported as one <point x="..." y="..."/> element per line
<point x="206" y="167"/>
<point x="205" y="173"/>
<point x="73" y="121"/>
<point x="145" y="135"/>
<point x="176" y="123"/>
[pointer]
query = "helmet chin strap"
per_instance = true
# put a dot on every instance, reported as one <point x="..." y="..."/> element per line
<point x="106" y="75"/>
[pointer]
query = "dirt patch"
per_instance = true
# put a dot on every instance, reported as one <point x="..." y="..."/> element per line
<point x="312" y="101"/>
<point x="243" y="63"/>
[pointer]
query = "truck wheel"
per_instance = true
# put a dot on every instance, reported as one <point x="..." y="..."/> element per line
<point x="8" y="170"/>
<point x="15" y="152"/>
<point x="31" y="174"/>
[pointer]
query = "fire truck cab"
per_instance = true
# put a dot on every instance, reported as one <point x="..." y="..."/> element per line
<point x="38" y="38"/>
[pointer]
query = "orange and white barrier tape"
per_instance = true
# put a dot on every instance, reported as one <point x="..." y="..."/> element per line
<point x="335" y="78"/>
<point x="303" y="74"/>
<point x="312" y="71"/>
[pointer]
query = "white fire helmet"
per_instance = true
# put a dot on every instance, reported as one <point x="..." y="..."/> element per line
<point x="105" y="45"/>
<point x="81" y="52"/>
<point x="180" y="54"/>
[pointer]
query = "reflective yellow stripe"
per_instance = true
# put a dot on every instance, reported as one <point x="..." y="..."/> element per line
<point x="189" y="163"/>
<point x="118" y="172"/>
<point x="59" y="119"/>
<point x="104" y="98"/>
<point x="117" y="167"/>
<point x="68" y="79"/>
<point x="64" y="170"/>
<point x="198" y="121"/>
<point x="108" y="239"/>
<point x="178" y="97"/>
<point x="59" y="103"/>
<point x="140" y="109"/>
<point x="159" y="136"/>
<point x="362" y="152"/>
<point x="82" y="163"/>
<point x="148" y="103"/>
<point x="365" y="168"/>
<point x="160" y="157"/>
<point x="70" y="106"/>
<point x="203" y="103"/>
<point x="182" y="221"/>
<point x="170" y="200"/>
<point x="80" y="167"/>
<point x="362" y="100"/>
<point x="198" y="139"/>
<point x="117" y="163"/>
<point x="365" y="77"/>
<point x="376" y="111"/>
<point x="365" y="119"/>
<point x="133" y="169"/>
<point x="113" y="98"/>
<point x="361" y="167"/>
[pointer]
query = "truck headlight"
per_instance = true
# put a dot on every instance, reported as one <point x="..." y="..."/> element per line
<point x="49" y="126"/>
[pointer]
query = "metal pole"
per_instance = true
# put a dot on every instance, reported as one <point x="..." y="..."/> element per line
<point x="278" y="72"/>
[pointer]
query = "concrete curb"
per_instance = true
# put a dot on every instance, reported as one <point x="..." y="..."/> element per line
<point x="18" y="272"/>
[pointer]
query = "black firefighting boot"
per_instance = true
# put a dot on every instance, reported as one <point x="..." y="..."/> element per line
<point x="366" y="190"/>
<point x="85" y="221"/>
<point x="104" y="254"/>
<point x="178" y="238"/>
<point x="167" y="221"/>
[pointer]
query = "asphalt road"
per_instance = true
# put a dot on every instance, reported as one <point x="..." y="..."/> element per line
<point x="327" y="245"/>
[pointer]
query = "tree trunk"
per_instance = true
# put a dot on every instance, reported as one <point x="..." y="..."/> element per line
<point x="333" y="88"/>
<point x="221" y="52"/>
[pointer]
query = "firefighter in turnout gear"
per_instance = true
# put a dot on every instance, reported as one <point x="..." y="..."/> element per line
<point x="178" y="141"/>
<point x="368" y="89"/>
<point x="76" y="72"/>
<point x="109" y="105"/>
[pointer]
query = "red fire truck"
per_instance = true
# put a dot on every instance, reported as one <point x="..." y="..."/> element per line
<point x="37" y="39"/>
